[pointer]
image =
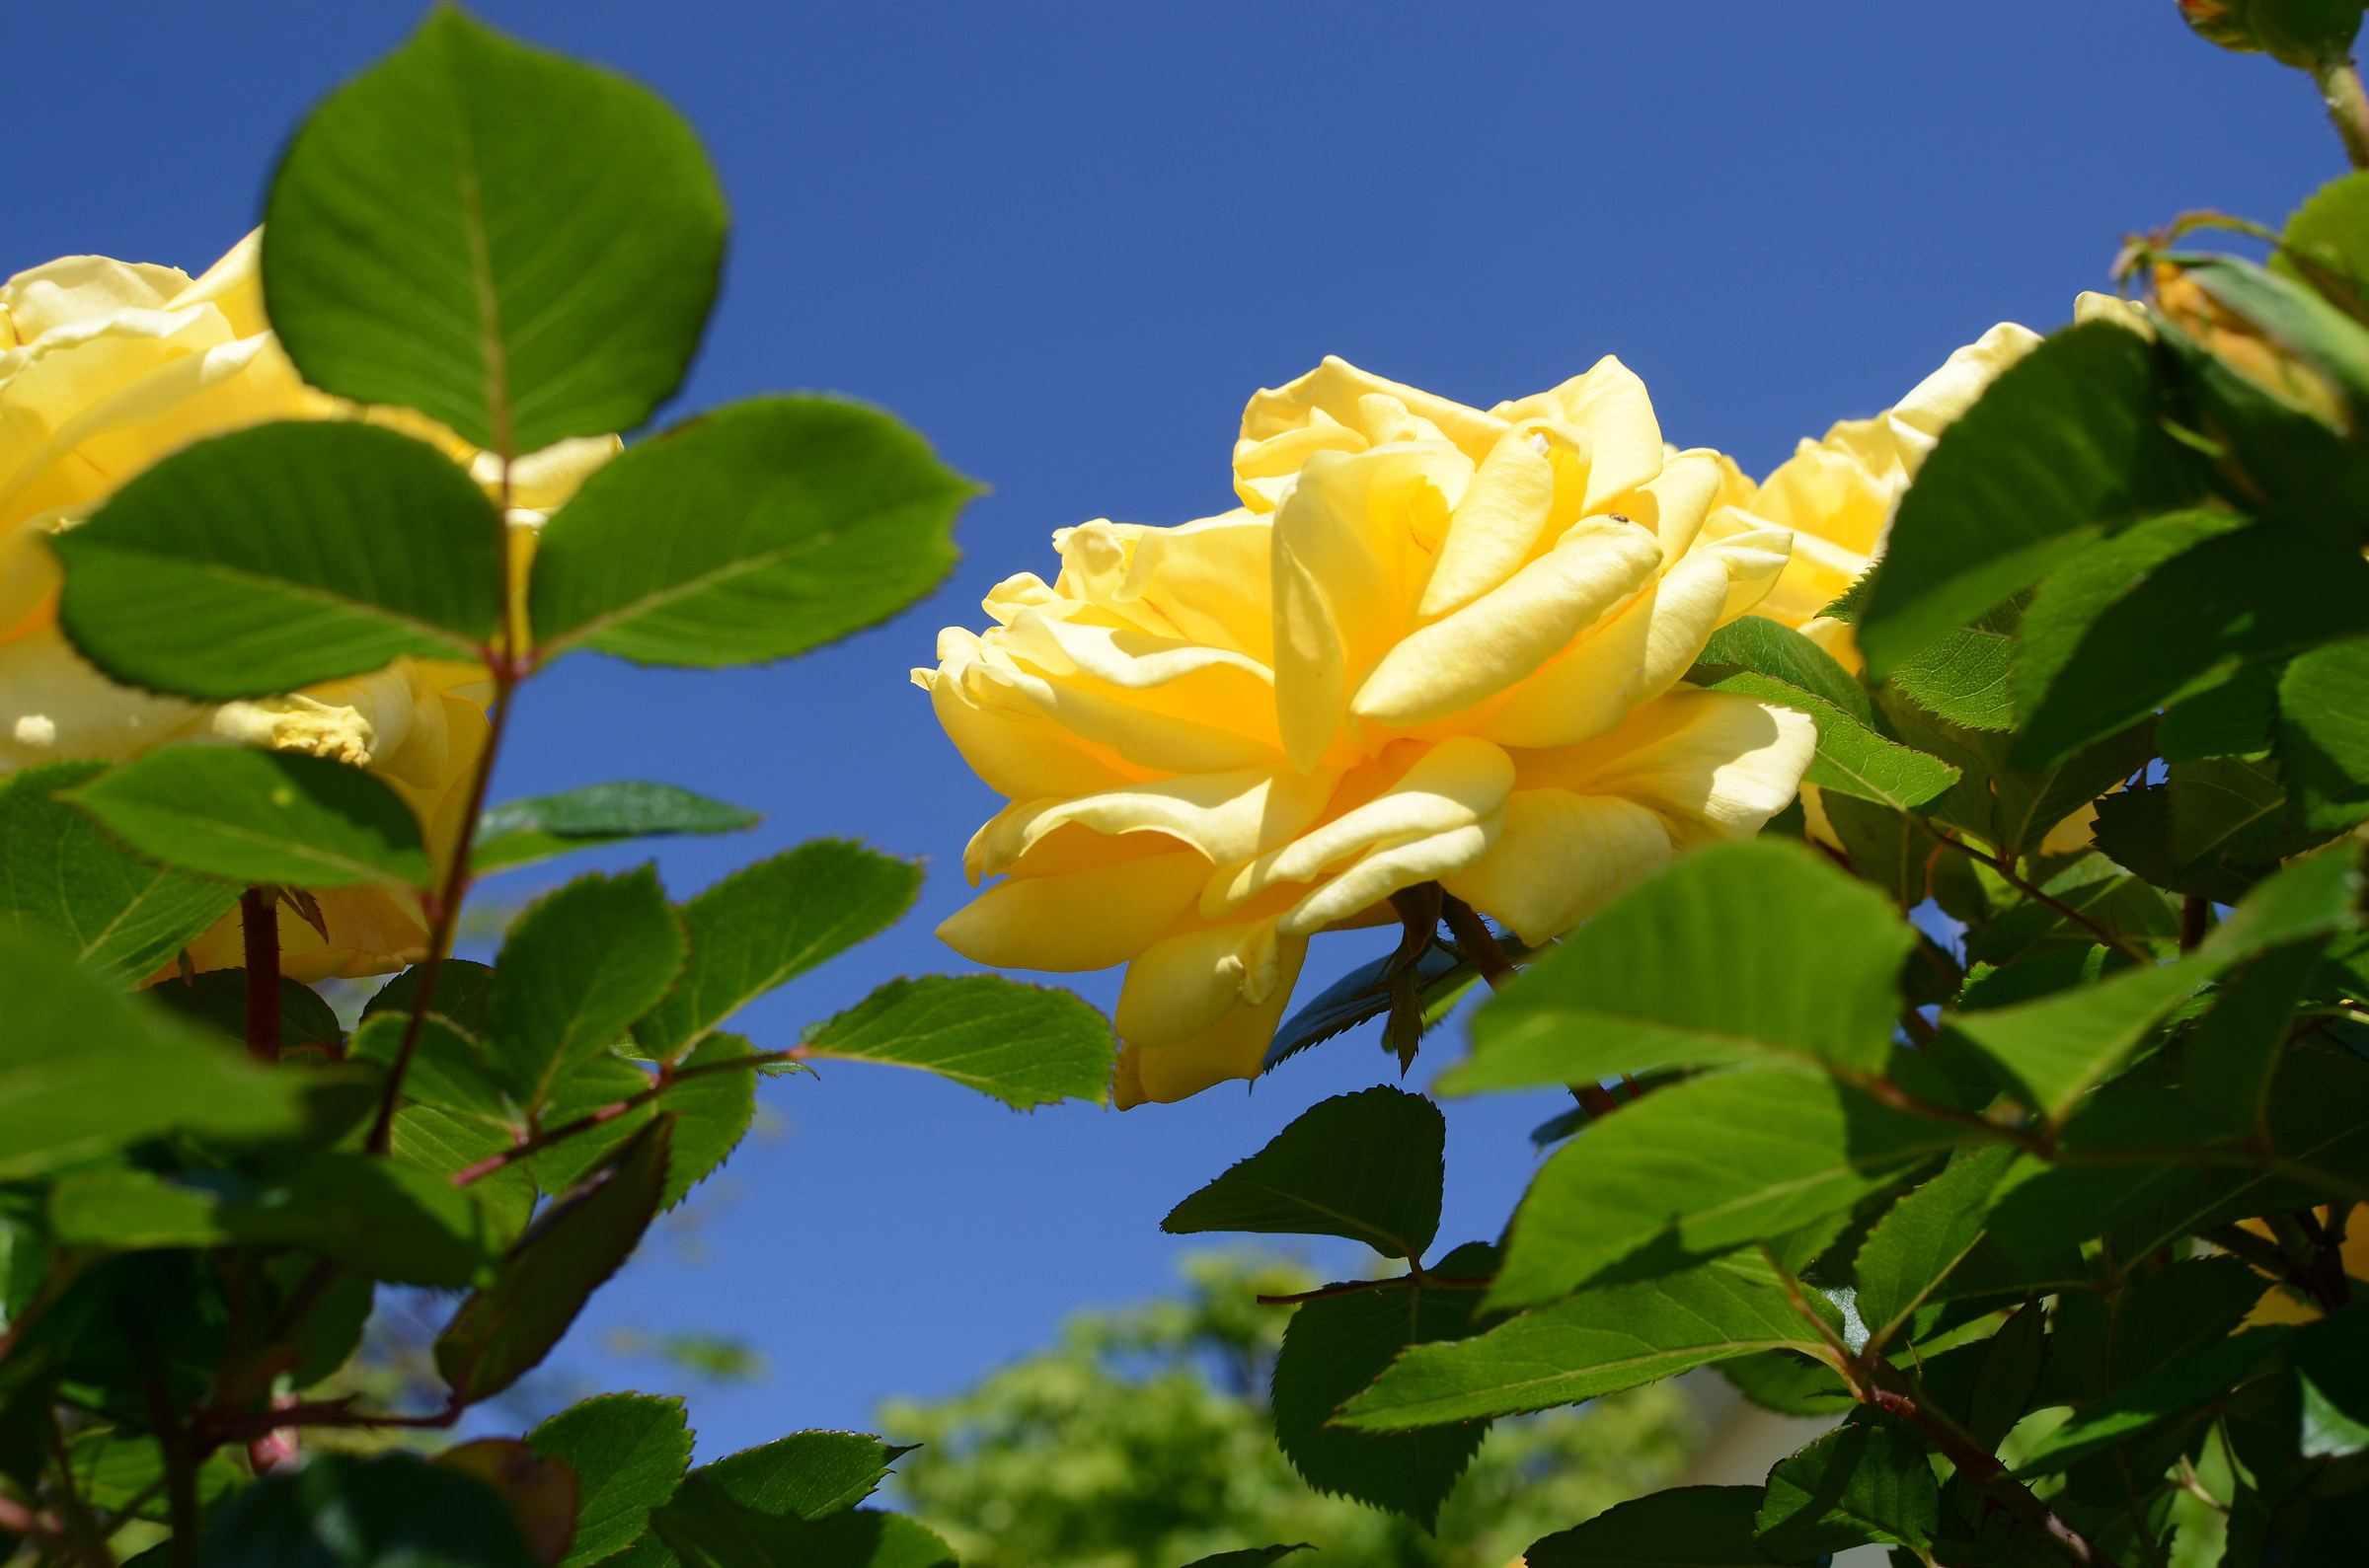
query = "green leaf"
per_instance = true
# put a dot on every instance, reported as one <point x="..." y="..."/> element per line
<point x="2211" y="828"/>
<point x="276" y="556"/>
<point x="1788" y="1382"/>
<point x="1741" y="952"/>
<point x="444" y="1144"/>
<point x="1886" y="849"/>
<point x="114" y="1469"/>
<point x="2290" y="314"/>
<point x="2136" y="1407"/>
<point x="2187" y="624"/>
<point x="1701" y="1167"/>
<point x="447" y="1070"/>
<point x="1687" y="1527"/>
<point x="119" y="914"/>
<point x="1922" y="1237"/>
<point x="2062" y="447"/>
<point x="1249" y="1557"/>
<point x="2331" y="1359"/>
<point x="2234" y="1055"/>
<point x="1367" y="1167"/>
<point x="709" y="1534"/>
<point x="504" y="1331"/>
<point x="460" y="994"/>
<point x="262" y="816"/>
<point x="84" y="1070"/>
<point x="576" y="971"/>
<point x="627" y="1452"/>
<point x="1966" y="675"/>
<point x="2237" y="718"/>
<point x="1025" y="1045"/>
<point x="1768" y="648"/>
<point x="1864" y="1483"/>
<point x="769" y="923"/>
<point x="344" y="1511"/>
<point x="1333" y="1348"/>
<point x="1851" y="758"/>
<point x="2331" y="232"/>
<point x="2060" y="1045"/>
<point x="805" y="1476"/>
<point x="521" y="832"/>
<point x="2324" y="734"/>
<point x="518" y="245"/>
<point x="389" y="1220"/>
<point x="712" y="1114"/>
<point x="767" y="529"/>
<point x="1597" y="1342"/>
<point x="219" y="997"/>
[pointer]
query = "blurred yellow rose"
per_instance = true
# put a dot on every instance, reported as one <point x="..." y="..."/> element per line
<point x="1837" y="495"/>
<point x="108" y="366"/>
<point x="1436" y="643"/>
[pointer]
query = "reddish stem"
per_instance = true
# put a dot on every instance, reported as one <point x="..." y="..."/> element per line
<point x="258" y="927"/>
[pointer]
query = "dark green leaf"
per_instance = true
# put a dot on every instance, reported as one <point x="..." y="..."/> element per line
<point x="1741" y="952"/>
<point x="2174" y="1392"/>
<point x="767" y="529"/>
<point x="711" y="1112"/>
<point x="506" y="1330"/>
<point x="2331" y="1365"/>
<point x="1687" y="1527"/>
<point x="512" y="243"/>
<point x="768" y="924"/>
<point x="119" y="914"/>
<point x="1598" y="1342"/>
<point x="2192" y="623"/>
<point x="1787" y="1382"/>
<point x="1364" y="994"/>
<point x="1023" y="1045"/>
<point x="576" y="971"/>
<point x="1334" y="1347"/>
<point x="1366" y="1165"/>
<point x="627" y="1452"/>
<point x="1249" y="1557"/>
<point x="1864" y="1483"/>
<point x="273" y="558"/>
<point x="709" y="1533"/>
<point x="521" y="832"/>
<point x="2181" y="1313"/>
<point x="2058" y="1046"/>
<point x="1702" y="1166"/>
<point x="2324" y="734"/>
<point x="460" y="994"/>
<point x="84" y="1070"/>
<point x="2237" y="718"/>
<point x="1886" y="849"/>
<point x="447" y="1070"/>
<point x="2062" y="447"/>
<point x="803" y="1476"/>
<point x="1922" y="1237"/>
<point x="389" y="1220"/>
<point x="2234" y="1054"/>
<point x="344" y="1511"/>
<point x="262" y="816"/>
<point x="2211" y="828"/>
<point x="219" y="997"/>
<point x="114" y="1469"/>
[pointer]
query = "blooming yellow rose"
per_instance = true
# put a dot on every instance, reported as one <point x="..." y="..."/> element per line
<point x="1436" y="643"/>
<point x="108" y="366"/>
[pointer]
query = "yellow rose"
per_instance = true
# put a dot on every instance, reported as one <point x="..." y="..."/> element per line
<point x="1436" y="643"/>
<point x="107" y="367"/>
<point x="1837" y="495"/>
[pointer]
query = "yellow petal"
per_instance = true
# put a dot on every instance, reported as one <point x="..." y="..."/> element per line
<point x="1383" y="871"/>
<point x="548" y="479"/>
<point x="1231" y="1048"/>
<point x="1229" y="817"/>
<point x="1609" y="403"/>
<point x="372" y="931"/>
<point x="1716" y="765"/>
<point x="1132" y="731"/>
<point x="79" y="288"/>
<point x="1086" y="920"/>
<point x="1453" y="786"/>
<point x="1337" y="390"/>
<point x="1502" y="516"/>
<point x="1562" y="857"/>
<point x="54" y="705"/>
<point x="1182" y="984"/>
<point x="1937" y="401"/>
<point x="1165" y="676"/>
<point x="1344" y="569"/>
<point x="1642" y="651"/>
<point x="1017" y="752"/>
<point x="1505" y="635"/>
<point x="1208" y="580"/>
<point x="1675" y="502"/>
<point x="234" y="285"/>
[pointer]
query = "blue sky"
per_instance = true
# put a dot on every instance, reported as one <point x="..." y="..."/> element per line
<point x="1066" y="240"/>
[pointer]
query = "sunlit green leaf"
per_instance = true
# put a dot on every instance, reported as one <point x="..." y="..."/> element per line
<point x="627" y="1452"/>
<point x="521" y="832"/>
<point x="262" y="816"/>
<point x="1025" y="1045"/>
<point x="1866" y="1483"/>
<point x="576" y="971"/>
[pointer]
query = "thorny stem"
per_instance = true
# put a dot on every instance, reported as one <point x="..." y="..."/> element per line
<point x="534" y="1146"/>
<point x="2347" y="107"/>
<point x="82" y="1530"/>
<point x="259" y="931"/>
<point x="1888" y="1391"/>
<point x="239" y="1426"/>
<point x="2196" y="919"/>
<point x="1474" y="938"/>
<point x="180" y="1473"/>
<point x="2015" y="879"/>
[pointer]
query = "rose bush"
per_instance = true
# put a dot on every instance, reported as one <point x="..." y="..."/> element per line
<point x="1434" y="643"/>
<point x="107" y="367"/>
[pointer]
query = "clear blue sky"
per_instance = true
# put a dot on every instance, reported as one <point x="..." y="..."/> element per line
<point x="1066" y="240"/>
